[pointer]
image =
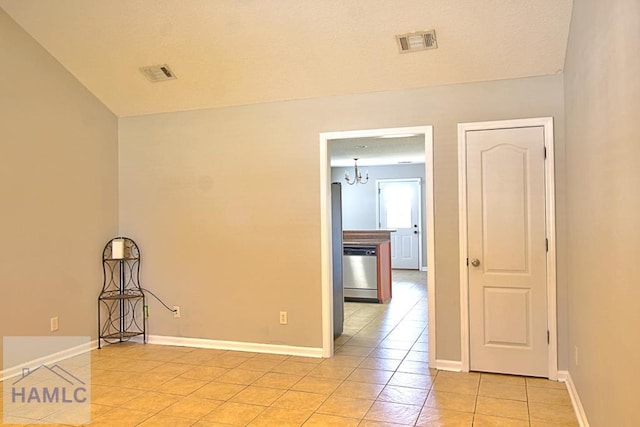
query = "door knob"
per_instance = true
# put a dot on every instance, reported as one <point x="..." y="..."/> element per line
<point x="475" y="262"/>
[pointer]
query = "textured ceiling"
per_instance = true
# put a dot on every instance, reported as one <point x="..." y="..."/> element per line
<point x="235" y="52"/>
<point x="377" y="151"/>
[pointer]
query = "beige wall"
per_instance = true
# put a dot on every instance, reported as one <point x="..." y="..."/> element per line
<point x="602" y="94"/>
<point x="58" y="183"/>
<point x="225" y="203"/>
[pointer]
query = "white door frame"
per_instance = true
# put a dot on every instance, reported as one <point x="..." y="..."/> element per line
<point x="325" y="229"/>
<point x="547" y="123"/>
<point x="421" y="267"/>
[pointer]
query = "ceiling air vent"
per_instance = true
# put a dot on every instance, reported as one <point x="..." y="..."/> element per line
<point x="420" y="40"/>
<point x="158" y="73"/>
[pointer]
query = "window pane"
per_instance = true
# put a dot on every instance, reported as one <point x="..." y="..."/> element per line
<point x="398" y="207"/>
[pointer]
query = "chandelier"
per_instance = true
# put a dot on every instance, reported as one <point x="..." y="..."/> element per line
<point x="357" y="179"/>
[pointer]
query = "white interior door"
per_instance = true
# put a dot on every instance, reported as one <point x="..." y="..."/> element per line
<point x="506" y="239"/>
<point x="399" y="209"/>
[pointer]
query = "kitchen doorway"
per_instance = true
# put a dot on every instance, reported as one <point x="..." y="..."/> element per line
<point x="326" y="226"/>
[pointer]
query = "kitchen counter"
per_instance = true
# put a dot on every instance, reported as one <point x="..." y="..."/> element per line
<point x="381" y="239"/>
<point x="366" y="237"/>
<point x="363" y="242"/>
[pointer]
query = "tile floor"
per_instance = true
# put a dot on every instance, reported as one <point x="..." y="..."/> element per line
<point x="379" y="376"/>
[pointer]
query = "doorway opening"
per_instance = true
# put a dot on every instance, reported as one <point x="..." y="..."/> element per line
<point x="326" y="225"/>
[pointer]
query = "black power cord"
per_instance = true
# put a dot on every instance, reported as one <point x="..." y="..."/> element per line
<point x="161" y="302"/>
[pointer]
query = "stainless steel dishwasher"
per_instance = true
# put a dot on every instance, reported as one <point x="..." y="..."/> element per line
<point x="360" y="273"/>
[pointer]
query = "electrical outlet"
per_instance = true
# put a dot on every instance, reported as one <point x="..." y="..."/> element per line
<point x="575" y="354"/>
<point x="54" y="324"/>
<point x="176" y="311"/>
<point x="284" y="318"/>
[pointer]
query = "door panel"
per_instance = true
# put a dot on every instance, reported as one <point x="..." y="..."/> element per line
<point x="399" y="210"/>
<point x="506" y="235"/>
<point x="407" y="246"/>
<point x="510" y="303"/>
<point x="504" y="204"/>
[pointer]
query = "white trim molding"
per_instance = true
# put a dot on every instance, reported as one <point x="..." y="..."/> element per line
<point x="235" y="346"/>
<point x="325" y="228"/>
<point x="563" y="376"/>
<point x="547" y="124"/>
<point x="326" y="258"/>
<point x="169" y="341"/>
<point x="448" y="365"/>
<point x="431" y="239"/>
<point x="462" y="236"/>
<point x="48" y="359"/>
<point x="575" y="399"/>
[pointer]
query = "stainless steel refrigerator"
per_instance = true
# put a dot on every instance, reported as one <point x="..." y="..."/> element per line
<point x="336" y="238"/>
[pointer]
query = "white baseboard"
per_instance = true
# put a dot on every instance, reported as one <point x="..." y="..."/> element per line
<point x="563" y="376"/>
<point x="575" y="399"/>
<point x="424" y="268"/>
<point x="167" y="340"/>
<point x="449" y="365"/>
<point x="48" y="359"/>
<point x="235" y="345"/>
<point x="443" y="365"/>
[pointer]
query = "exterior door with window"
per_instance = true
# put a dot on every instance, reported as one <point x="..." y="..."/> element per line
<point x="399" y="210"/>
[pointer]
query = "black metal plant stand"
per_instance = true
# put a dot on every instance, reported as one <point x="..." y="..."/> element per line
<point x="122" y="303"/>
